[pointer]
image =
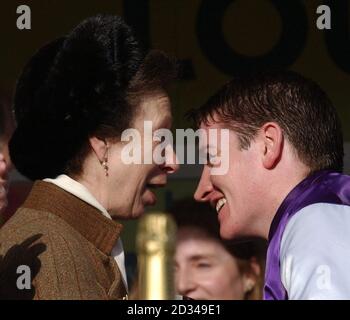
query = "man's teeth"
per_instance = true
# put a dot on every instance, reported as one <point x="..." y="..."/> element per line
<point x="220" y="204"/>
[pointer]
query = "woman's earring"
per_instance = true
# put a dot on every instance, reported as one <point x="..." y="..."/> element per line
<point x="249" y="285"/>
<point x="104" y="163"/>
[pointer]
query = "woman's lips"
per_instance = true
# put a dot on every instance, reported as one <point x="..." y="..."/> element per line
<point x="150" y="198"/>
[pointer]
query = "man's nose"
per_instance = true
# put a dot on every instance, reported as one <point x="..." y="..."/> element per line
<point x="204" y="187"/>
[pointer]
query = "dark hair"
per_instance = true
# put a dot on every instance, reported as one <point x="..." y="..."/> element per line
<point x="80" y="85"/>
<point x="155" y="73"/>
<point x="302" y="109"/>
<point x="189" y="213"/>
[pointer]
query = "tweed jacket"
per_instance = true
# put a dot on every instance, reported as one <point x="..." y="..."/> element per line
<point x="65" y="242"/>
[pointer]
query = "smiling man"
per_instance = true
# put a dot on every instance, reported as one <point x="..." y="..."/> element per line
<point x="284" y="181"/>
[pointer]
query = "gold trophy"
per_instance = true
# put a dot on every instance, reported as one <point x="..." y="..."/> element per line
<point x="155" y="246"/>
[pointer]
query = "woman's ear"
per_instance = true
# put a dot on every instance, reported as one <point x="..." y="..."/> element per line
<point x="255" y="267"/>
<point x="99" y="146"/>
<point x="272" y="141"/>
<point x="250" y="278"/>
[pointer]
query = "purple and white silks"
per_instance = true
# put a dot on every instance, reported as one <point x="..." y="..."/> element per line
<point x="321" y="187"/>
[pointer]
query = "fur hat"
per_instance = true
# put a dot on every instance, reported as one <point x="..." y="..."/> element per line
<point x="68" y="89"/>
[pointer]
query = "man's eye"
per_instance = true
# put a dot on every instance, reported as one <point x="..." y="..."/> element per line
<point x="209" y="157"/>
<point x="212" y="159"/>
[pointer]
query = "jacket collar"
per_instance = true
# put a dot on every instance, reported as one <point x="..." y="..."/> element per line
<point x="84" y="218"/>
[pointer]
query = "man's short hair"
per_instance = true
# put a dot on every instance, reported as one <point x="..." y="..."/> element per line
<point x="298" y="105"/>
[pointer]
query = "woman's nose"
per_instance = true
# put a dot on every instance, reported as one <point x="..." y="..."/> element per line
<point x="171" y="164"/>
<point x="184" y="283"/>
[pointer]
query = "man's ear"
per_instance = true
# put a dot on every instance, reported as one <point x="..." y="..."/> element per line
<point x="272" y="142"/>
<point x="99" y="147"/>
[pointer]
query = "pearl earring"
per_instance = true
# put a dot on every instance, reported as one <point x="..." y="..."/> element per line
<point x="104" y="162"/>
<point x="249" y="285"/>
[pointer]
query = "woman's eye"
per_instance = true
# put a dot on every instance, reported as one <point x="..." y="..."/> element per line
<point x="203" y="265"/>
<point x="158" y="138"/>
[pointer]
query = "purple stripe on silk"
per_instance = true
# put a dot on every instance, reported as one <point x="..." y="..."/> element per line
<point x="322" y="186"/>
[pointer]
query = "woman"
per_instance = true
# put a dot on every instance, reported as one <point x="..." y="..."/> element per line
<point x="73" y="101"/>
<point x="6" y="129"/>
<point x="209" y="268"/>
